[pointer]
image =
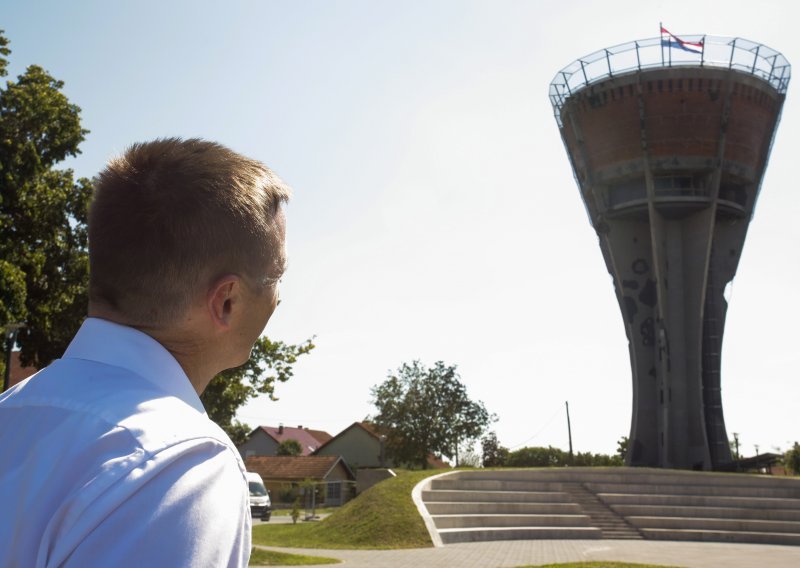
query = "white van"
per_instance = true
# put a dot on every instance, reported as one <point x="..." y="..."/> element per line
<point x="260" y="504"/>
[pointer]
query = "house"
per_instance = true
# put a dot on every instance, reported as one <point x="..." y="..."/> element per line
<point x="264" y="440"/>
<point x="362" y="446"/>
<point x="286" y="476"/>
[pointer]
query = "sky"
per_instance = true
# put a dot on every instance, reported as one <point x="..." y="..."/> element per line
<point x="435" y="215"/>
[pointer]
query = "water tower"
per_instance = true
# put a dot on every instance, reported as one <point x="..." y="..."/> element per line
<point x="669" y="139"/>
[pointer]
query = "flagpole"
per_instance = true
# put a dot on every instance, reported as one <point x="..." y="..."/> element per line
<point x="661" y="41"/>
<point x="669" y="47"/>
<point x="703" y="52"/>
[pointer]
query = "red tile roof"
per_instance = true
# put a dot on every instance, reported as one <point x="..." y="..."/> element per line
<point x="309" y="440"/>
<point x="294" y="467"/>
<point x="320" y="435"/>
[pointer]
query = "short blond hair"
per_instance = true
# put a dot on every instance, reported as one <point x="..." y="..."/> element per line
<point x="169" y="216"/>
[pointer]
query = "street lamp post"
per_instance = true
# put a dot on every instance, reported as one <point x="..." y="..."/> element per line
<point x="382" y="455"/>
<point x="10" y="332"/>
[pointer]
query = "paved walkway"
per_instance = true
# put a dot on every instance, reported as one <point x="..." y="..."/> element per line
<point x="534" y="552"/>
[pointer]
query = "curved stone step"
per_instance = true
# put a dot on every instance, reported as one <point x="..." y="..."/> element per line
<point x="721" y="536"/>
<point x="699" y="501"/>
<point x="616" y="503"/>
<point x="687" y="489"/>
<point x="497" y="508"/>
<point x="450" y="536"/>
<point x="731" y="525"/>
<point x="761" y="514"/>
<point x="441" y="495"/>
<point x="497" y="521"/>
<point x="466" y="484"/>
<point x="625" y="476"/>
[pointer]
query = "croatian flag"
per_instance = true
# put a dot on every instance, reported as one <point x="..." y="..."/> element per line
<point x="672" y="40"/>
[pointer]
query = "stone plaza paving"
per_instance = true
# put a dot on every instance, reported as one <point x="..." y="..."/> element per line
<point x="502" y="554"/>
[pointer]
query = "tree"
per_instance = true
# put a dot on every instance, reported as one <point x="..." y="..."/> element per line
<point x="588" y="459"/>
<point x="469" y="458"/>
<point x="270" y="363"/>
<point x="290" y="447"/>
<point x="426" y="411"/>
<point x="44" y="260"/>
<point x="555" y="457"/>
<point x="537" y="457"/>
<point x="734" y="446"/>
<point x="792" y="459"/>
<point x="295" y="514"/>
<point x="622" y="447"/>
<point x="494" y="455"/>
<point x="43" y="238"/>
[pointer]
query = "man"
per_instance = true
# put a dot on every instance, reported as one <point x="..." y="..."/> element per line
<point x="106" y="456"/>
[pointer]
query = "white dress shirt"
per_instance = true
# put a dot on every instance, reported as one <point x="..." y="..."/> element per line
<point x="107" y="458"/>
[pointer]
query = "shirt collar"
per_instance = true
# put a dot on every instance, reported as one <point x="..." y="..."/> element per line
<point x="121" y="346"/>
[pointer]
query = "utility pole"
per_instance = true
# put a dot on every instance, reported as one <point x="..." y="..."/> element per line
<point x="569" y="431"/>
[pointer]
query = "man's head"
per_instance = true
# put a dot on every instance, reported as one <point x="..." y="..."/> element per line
<point x="172" y="218"/>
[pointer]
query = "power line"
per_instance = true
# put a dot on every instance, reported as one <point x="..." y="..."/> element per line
<point x="542" y="429"/>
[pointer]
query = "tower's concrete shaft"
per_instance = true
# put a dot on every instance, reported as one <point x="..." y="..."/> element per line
<point x="669" y="160"/>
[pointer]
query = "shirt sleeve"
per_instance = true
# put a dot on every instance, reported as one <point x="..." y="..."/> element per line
<point x="186" y="505"/>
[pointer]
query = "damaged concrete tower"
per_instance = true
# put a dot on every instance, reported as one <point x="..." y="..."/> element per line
<point x="669" y="139"/>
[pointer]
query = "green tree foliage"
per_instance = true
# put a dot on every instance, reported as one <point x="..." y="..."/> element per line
<point x="792" y="459"/>
<point x="290" y="447"/>
<point x="555" y="457"/>
<point x="426" y="411"/>
<point x="622" y="447"/>
<point x="44" y="262"/>
<point x="43" y="238"/>
<point x="588" y="459"/>
<point x="270" y="363"/>
<point x="494" y="455"/>
<point x="469" y="458"/>
<point x="733" y="443"/>
<point x="537" y="457"/>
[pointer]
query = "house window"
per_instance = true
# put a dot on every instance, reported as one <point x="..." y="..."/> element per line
<point x="334" y="491"/>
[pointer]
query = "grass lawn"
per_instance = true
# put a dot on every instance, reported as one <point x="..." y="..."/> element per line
<point x="599" y="564"/>
<point x="274" y="558"/>
<point x="383" y="517"/>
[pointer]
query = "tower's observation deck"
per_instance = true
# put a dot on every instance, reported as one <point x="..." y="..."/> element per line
<point x="669" y="148"/>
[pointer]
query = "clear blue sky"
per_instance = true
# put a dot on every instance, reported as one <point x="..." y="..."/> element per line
<point x="435" y="214"/>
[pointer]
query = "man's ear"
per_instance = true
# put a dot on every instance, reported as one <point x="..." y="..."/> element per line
<point x="222" y="296"/>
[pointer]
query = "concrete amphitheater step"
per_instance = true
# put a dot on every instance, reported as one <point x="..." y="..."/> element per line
<point x="721" y="536"/>
<point x="698" y="501"/>
<point x="754" y="490"/>
<point x="496" y="496"/>
<point x="602" y="516"/>
<point x="496" y="508"/>
<point x="504" y="521"/>
<point x="626" y="476"/>
<point x="467" y="484"/>
<point x="615" y="503"/>
<point x="762" y="513"/>
<point x="715" y="524"/>
<point x="450" y="536"/>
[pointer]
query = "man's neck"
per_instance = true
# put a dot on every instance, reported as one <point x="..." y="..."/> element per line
<point x="190" y="350"/>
